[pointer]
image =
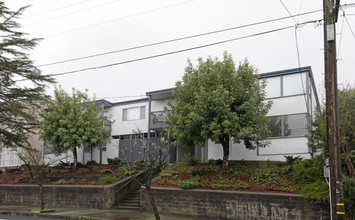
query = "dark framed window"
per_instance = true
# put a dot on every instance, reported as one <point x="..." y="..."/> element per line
<point x="275" y="126"/>
<point x="135" y="113"/>
<point x="295" y="125"/>
<point x="286" y="85"/>
<point x="288" y="125"/>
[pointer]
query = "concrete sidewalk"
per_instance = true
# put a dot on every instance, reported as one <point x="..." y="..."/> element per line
<point x="88" y="213"/>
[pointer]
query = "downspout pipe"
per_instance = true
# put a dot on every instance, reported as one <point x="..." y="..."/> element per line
<point x="102" y="113"/>
<point x="149" y="113"/>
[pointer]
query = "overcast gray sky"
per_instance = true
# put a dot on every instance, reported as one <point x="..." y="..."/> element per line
<point x="79" y="28"/>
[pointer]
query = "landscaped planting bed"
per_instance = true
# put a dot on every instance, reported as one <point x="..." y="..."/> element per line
<point x="95" y="174"/>
<point x="242" y="176"/>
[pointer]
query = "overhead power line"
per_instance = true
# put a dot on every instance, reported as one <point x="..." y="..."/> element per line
<point x="120" y="18"/>
<point x="173" y="40"/>
<point x="56" y="9"/>
<point x="74" y="12"/>
<point x="289" y="12"/>
<point x="178" y="51"/>
<point x="346" y="19"/>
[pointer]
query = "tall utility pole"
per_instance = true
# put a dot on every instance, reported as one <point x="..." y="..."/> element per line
<point x="336" y="189"/>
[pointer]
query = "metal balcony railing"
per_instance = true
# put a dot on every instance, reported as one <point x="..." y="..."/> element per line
<point x="157" y="119"/>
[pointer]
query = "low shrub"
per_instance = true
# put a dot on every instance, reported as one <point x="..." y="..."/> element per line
<point x="108" y="180"/>
<point x="200" y="171"/>
<point x="191" y="160"/>
<point x="96" y="169"/>
<point x="309" y="179"/>
<point x="139" y="162"/>
<point x="61" y="182"/>
<point x="54" y="171"/>
<point x="64" y="171"/>
<point x="293" y="160"/>
<point x="349" y="197"/>
<point x="188" y="161"/>
<point x="78" y="164"/>
<point x="190" y="183"/>
<point x="82" y="171"/>
<point x="220" y="182"/>
<point x="71" y="181"/>
<point x="91" y="162"/>
<point x="114" y="161"/>
<point x="215" y="162"/>
<point x="127" y="170"/>
<point x="106" y="172"/>
<point x="167" y="172"/>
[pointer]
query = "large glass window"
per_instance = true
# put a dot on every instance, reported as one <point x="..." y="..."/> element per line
<point x="295" y="125"/>
<point x="288" y="125"/>
<point x="273" y="87"/>
<point x="294" y="84"/>
<point x="286" y="85"/>
<point x="6" y="157"/>
<point x="275" y="126"/>
<point x="134" y="113"/>
<point x="14" y="158"/>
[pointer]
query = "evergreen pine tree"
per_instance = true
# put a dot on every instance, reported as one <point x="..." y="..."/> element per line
<point x="17" y="70"/>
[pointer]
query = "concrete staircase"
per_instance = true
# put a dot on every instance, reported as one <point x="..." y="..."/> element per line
<point x="131" y="201"/>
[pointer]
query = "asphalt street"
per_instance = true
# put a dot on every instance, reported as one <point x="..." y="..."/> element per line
<point x="17" y="217"/>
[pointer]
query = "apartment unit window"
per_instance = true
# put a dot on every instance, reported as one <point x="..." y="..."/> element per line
<point x="13" y="158"/>
<point x="6" y="157"/>
<point x="294" y="84"/>
<point x="48" y="149"/>
<point x="275" y="126"/>
<point x="288" y="125"/>
<point x="286" y="85"/>
<point x="108" y="126"/>
<point x="135" y="113"/>
<point x="273" y="87"/>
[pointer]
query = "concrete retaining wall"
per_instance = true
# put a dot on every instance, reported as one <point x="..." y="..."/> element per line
<point x="101" y="197"/>
<point x="233" y="205"/>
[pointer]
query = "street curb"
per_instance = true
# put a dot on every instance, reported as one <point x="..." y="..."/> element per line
<point x="31" y="214"/>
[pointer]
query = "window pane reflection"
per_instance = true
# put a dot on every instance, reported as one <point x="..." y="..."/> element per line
<point x="273" y="87"/>
<point x="294" y="84"/>
<point x="295" y="125"/>
<point x="275" y="126"/>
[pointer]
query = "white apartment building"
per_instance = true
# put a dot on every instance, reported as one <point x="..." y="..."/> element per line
<point x="292" y="92"/>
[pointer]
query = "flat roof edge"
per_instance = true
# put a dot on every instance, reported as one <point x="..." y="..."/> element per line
<point x="159" y="91"/>
<point x="286" y="71"/>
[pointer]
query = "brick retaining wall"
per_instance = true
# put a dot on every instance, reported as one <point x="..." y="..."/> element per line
<point x="67" y="195"/>
<point x="233" y="205"/>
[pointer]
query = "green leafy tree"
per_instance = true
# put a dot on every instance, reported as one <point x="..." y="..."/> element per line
<point x="346" y="102"/>
<point x="317" y="139"/>
<point x="17" y="101"/>
<point x="215" y="100"/>
<point x="72" y="122"/>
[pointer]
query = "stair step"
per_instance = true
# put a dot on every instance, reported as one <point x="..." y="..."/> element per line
<point x="131" y="201"/>
<point x="128" y="202"/>
<point x="127" y="207"/>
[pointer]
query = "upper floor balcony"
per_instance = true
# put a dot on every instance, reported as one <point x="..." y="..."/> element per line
<point x="157" y="119"/>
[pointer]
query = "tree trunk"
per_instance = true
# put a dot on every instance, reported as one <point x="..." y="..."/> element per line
<point x="42" y="196"/>
<point x="225" y="145"/>
<point x="152" y="201"/>
<point x="75" y="155"/>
